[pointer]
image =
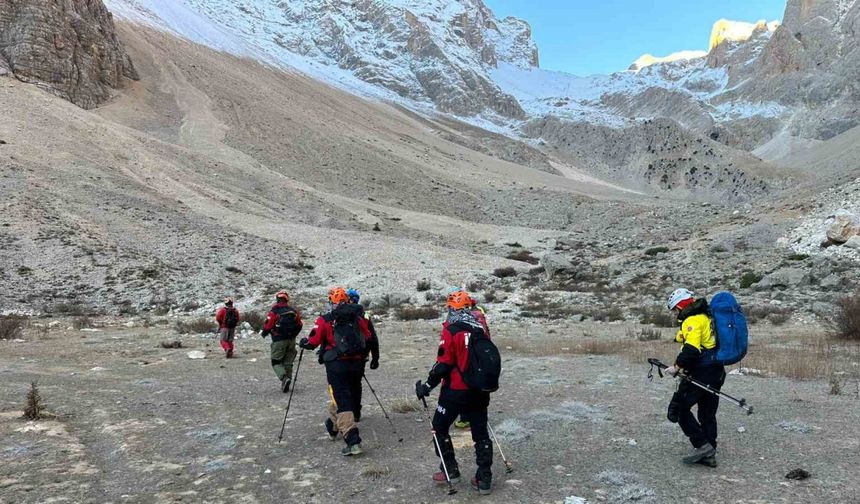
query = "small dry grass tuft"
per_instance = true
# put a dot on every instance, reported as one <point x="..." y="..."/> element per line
<point x="11" y="326"/>
<point x="199" y="325"/>
<point x="417" y="312"/>
<point x="523" y="255"/>
<point x="35" y="408"/>
<point x="423" y="284"/>
<point x="405" y="406"/>
<point x="375" y="471"/>
<point x="82" y="322"/>
<point x="171" y="344"/>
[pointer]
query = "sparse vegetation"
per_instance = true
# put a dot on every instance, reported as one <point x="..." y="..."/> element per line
<point x="423" y="284"/>
<point x="171" y="344"/>
<point x="198" y="325"/>
<point x="523" y="255"/>
<point x="749" y="279"/>
<point x="645" y="334"/>
<point x="417" y="312"/>
<point x="34" y="409"/>
<point x="490" y="296"/>
<point x="845" y="323"/>
<point x="11" y="326"/>
<point x="798" y="257"/>
<point x="233" y="269"/>
<point x="505" y="272"/>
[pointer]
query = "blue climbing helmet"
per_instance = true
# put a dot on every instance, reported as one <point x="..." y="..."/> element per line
<point x="354" y="295"/>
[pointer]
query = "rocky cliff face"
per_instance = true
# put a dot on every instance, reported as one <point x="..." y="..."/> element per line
<point x="436" y="51"/>
<point x="69" y="47"/>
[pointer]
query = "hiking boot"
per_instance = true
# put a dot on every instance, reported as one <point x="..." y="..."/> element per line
<point x="229" y="354"/>
<point x="285" y="384"/>
<point x="483" y="487"/>
<point x="709" y="461"/>
<point x="330" y="430"/>
<point x="462" y="424"/>
<point x="351" y="450"/>
<point x="702" y="452"/>
<point x="439" y="477"/>
<point x="356" y="416"/>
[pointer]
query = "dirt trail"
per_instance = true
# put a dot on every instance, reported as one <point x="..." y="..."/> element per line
<point x="143" y="424"/>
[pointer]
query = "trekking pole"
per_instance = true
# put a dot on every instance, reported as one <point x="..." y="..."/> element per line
<point x="290" y="400"/>
<point x="385" y="413"/>
<point x="451" y="489"/>
<point x="509" y="468"/>
<point x="740" y="403"/>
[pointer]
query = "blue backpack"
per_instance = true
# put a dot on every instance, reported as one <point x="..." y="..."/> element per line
<point x="730" y="325"/>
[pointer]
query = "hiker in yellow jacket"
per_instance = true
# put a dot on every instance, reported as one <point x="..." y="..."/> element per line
<point x="697" y="359"/>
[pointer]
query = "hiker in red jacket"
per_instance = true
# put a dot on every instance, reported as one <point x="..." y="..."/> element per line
<point x="228" y="318"/>
<point x="284" y="323"/>
<point x="456" y="397"/>
<point x="346" y="340"/>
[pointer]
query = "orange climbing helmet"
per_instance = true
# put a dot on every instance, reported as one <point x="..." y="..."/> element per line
<point x="338" y="295"/>
<point x="459" y="300"/>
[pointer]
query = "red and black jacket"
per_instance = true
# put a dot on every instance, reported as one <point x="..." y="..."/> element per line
<point x="322" y="334"/>
<point x="452" y="358"/>
<point x="221" y="316"/>
<point x="290" y="322"/>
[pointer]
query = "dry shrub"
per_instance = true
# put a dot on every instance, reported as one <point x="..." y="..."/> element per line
<point x="405" y="406"/>
<point x="523" y="255"/>
<point x="644" y="334"/>
<point x="171" y="344"/>
<point x="198" y="325"/>
<point x="255" y="318"/>
<point x="611" y="314"/>
<point x="490" y="296"/>
<point x="656" y="315"/>
<point x="505" y="272"/>
<point x="34" y="409"/>
<point x="417" y="312"/>
<point x="845" y="323"/>
<point x="11" y="326"/>
<point x="423" y="284"/>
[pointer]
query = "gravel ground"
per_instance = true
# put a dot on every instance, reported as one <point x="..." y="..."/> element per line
<point x="138" y="423"/>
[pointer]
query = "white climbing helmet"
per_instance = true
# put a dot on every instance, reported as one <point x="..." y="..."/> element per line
<point x="677" y="296"/>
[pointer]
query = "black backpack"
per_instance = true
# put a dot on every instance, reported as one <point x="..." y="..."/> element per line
<point x="231" y="319"/>
<point x="348" y="338"/>
<point x="484" y="362"/>
<point x="285" y="325"/>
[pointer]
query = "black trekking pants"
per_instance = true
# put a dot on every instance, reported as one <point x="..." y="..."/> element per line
<point x="704" y="429"/>
<point x="475" y="407"/>
<point x="344" y="378"/>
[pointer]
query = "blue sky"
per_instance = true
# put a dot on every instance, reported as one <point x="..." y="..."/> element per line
<point x="602" y="36"/>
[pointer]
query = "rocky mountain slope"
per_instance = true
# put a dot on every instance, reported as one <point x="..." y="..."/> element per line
<point x="68" y="47"/>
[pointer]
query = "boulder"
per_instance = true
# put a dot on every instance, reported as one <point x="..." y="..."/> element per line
<point x="853" y="242"/>
<point x="845" y="225"/>
<point x="68" y="47"/>
<point x="555" y="264"/>
<point x="783" y="278"/>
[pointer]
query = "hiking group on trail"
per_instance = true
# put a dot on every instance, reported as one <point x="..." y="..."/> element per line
<point x="468" y="368"/>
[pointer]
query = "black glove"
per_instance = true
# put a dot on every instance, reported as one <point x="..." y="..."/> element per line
<point x="422" y="390"/>
<point x="263" y="334"/>
<point x="374" y="364"/>
<point x="305" y="344"/>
